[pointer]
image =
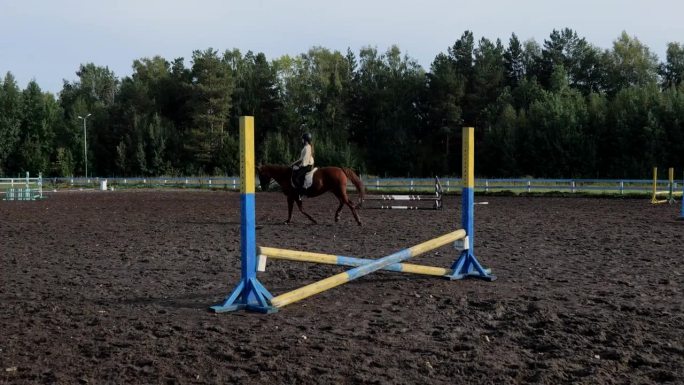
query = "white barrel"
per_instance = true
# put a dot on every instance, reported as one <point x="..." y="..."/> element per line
<point x="103" y="185"/>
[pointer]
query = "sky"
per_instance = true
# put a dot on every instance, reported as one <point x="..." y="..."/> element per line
<point x="47" y="40"/>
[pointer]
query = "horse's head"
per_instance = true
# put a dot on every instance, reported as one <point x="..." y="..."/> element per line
<point x="264" y="177"/>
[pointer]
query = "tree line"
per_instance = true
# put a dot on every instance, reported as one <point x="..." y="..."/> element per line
<point x="564" y="108"/>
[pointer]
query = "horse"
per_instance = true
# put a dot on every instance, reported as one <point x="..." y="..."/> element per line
<point x="333" y="179"/>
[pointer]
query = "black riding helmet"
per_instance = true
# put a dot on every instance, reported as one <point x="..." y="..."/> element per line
<point x="306" y="137"/>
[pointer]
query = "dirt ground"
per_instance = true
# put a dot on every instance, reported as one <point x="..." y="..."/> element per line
<point x="114" y="288"/>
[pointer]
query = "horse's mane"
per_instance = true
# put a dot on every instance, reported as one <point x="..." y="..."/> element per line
<point x="278" y="172"/>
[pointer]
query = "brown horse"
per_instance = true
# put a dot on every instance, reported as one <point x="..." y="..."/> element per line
<point x="333" y="179"/>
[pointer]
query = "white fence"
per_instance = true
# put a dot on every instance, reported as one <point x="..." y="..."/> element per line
<point x="396" y="185"/>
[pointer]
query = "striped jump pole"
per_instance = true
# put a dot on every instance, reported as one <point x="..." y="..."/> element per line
<point x="467" y="264"/>
<point x="358" y="272"/>
<point x="329" y="259"/>
<point x="249" y="294"/>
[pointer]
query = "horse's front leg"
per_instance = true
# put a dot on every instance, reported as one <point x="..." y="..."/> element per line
<point x="290" y="202"/>
<point x="299" y="204"/>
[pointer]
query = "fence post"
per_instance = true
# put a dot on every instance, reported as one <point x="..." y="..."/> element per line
<point x="529" y="186"/>
<point x="622" y="188"/>
<point x="573" y="186"/>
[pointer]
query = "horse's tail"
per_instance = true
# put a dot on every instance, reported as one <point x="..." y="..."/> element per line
<point x="356" y="181"/>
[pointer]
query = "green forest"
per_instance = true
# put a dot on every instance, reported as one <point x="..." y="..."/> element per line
<point x="563" y="108"/>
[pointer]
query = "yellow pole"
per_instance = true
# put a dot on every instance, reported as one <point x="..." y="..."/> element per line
<point x="342" y="278"/>
<point x="654" y="198"/>
<point x="670" y="188"/>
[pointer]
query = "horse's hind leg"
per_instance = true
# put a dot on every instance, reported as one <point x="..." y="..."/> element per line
<point x="344" y="199"/>
<point x="337" y="212"/>
<point x="353" y="210"/>
<point x="299" y="204"/>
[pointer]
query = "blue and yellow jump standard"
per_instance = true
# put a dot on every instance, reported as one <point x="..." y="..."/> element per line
<point x="249" y="294"/>
<point x="467" y="264"/>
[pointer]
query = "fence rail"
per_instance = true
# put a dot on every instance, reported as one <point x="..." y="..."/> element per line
<point x="230" y="183"/>
<point x="398" y="185"/>
<point x="607" y="186"/>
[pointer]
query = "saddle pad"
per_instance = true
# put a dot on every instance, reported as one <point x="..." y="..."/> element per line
<point x="308" y="178"/>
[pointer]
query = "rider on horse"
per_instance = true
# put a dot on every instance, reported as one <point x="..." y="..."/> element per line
<point x="303" y="165"/>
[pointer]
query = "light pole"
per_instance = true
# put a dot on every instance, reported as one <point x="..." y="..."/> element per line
<point x="85" y="143"/>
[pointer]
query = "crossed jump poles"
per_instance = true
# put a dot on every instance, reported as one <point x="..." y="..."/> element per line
<point x="249" y="294"/>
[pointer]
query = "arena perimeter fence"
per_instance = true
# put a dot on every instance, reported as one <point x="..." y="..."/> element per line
<point x="387" y="185"/>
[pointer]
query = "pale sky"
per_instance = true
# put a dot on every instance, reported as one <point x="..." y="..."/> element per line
<point x="47" y="40"/>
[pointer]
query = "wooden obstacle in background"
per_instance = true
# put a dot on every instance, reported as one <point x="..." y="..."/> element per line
<point x="23" y="189"/>
<point x="417" y="202"/>
<point x="670" y="193"/>
<point x="250" y="294"/>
